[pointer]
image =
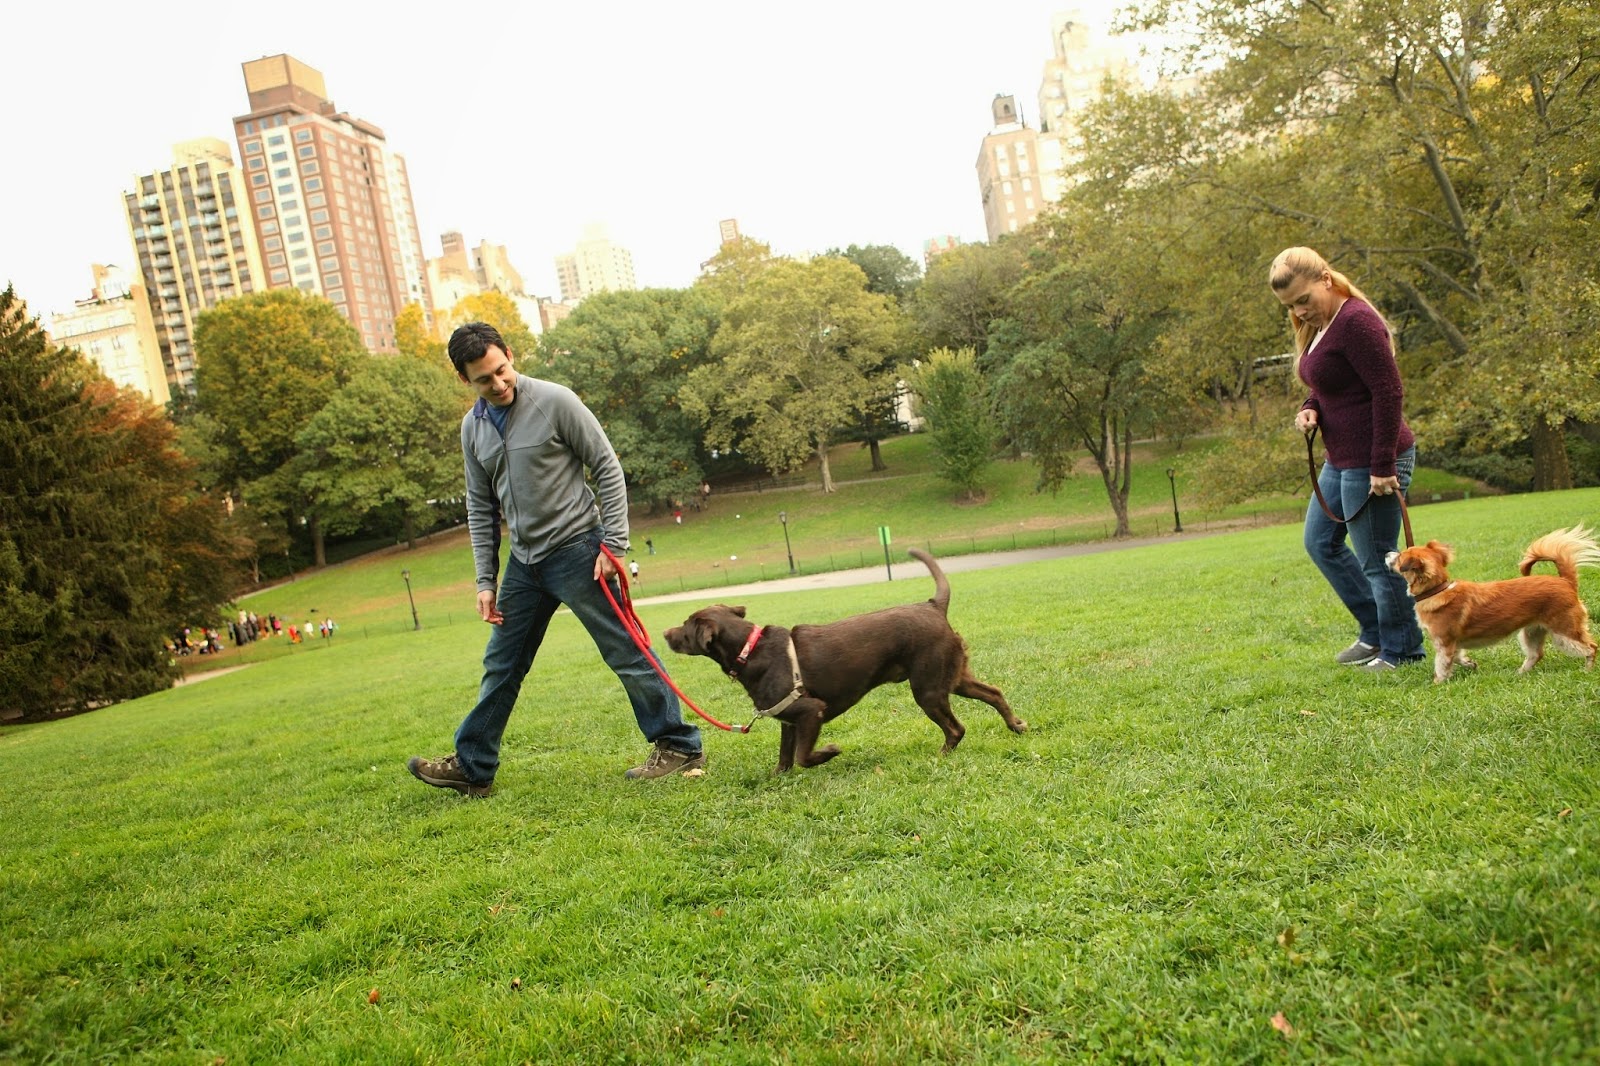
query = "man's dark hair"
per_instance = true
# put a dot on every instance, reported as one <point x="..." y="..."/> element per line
<point x="472" y="342"/>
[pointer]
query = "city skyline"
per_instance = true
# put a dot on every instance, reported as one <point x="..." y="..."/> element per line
<point x="657" y="122"/>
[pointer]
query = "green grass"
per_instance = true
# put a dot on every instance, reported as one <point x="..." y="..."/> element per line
<point x="826" y="533"/>
<point x="1208" y="824"/>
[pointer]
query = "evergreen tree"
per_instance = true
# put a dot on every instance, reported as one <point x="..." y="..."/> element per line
<point x="104" y="547"/>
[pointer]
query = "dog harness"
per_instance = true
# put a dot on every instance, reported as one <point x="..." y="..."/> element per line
<point x="794" y="665"/>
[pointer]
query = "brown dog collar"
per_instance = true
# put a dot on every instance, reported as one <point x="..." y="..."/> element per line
<point x="1419" y="597"/>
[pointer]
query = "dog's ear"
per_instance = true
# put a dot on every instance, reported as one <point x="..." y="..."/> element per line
<point x="1447" y="553"/>
<point x="702" y="633"/>
<point x="738" y="611"/>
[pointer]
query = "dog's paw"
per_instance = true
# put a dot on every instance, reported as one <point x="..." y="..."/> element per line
<point x="1020" y="727"/>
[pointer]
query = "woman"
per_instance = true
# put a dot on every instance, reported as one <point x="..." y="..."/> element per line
<point x="1344" y="355"/>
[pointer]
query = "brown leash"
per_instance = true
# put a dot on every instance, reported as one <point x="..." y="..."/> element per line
<point x="1311" y="462"/>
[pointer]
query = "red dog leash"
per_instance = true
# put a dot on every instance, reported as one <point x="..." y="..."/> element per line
<point x="641" y="639"/>
<point x="1311" y="462"/>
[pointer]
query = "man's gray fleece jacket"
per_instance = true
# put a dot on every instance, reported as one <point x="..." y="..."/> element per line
<point x="533" y="477"/>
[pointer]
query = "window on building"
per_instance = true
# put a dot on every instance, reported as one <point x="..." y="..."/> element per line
<point x="270" y="227"/>
<point x="313" y="184"/>
<point x="297" y="237"/>
<point x="286" y="189"/>
<point x="302" y="270"/>
<point x="310" y="167"/>
<point x="264" y="211"/>
<point x="276" y="259"/>
<point x="275" y="140"/>
<point x="330" y="263"/>
<point x="280" y="157"/>
<point x="271" y="244"/>
<point x="283" y="172"/>
<point x="251" y="147"/>
<point x="306" y="151"/>
<point x="279" y="276"/>
<point x="302" y="136"/>
<point x="318" y="216"/>
<point x="336" y="295"/>
<point x="255" y="162"/>
<point x="325" y="248"/>
<point x="263" y="195"/>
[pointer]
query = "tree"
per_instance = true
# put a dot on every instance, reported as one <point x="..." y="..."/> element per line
<point x="104" y="544"/>
<point x="737" y="263"/>
<point x="499" y="311"/>
<point x="1069" y="366"/>
<point x="1441" y="151"/>
<point x="953" y="397"/>
<point x="629" y="354"/>
<point x="892" y="273"/>
<point x="414" y="339"/>
<point x="889" y="271"/>
<point x="267" y="363"/>
<point x="797" y="355"/>
<point x="392" y="438"/>
<point x="965" y="290"/>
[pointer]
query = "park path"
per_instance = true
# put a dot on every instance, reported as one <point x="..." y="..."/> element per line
<point x="905" y="566"/>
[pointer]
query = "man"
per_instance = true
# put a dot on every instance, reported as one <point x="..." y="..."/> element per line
<point x="526" y="444"/>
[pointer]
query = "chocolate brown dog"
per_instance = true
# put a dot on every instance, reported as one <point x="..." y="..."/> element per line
<point x="811" y="674"/>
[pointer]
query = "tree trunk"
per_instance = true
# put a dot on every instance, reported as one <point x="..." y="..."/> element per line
<point x="1551" y="468"/>
<point x="877" y="456"/>
<point x="822" y="464"/>
<point x="319" y="552"/>
<point x="411" y="531"/>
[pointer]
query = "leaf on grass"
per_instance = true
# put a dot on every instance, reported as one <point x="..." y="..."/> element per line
<point x="372" y="997"/>
<point x="516" y="984"/>
<point x="696" y="772"/>
<point x="718" y="912"/>
<point x="1286" y="938"/>
<point x="1565" y="812"/>
<point x="1307" y="714"/>
<point x="1281" y="1024"/>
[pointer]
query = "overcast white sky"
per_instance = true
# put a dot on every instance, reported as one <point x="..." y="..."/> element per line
<point x="815" y="125"/>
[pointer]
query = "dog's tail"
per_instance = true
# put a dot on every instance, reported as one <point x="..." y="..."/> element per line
<point x="941" y="586"/>
<point x="1567" y="548"/>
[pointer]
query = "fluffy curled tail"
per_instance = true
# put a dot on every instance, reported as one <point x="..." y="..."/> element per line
<point x="1567" y="548"/>
<point x="941" y="586"/>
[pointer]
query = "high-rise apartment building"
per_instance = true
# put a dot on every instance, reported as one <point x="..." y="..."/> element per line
<point x="113" y="328"/>
<point x="595" y="265"/>
<point x="331" y="203"/>
<point x="194" y="245"/>
<point x="1020" y="168"/>
<point x="1019" y="172"/>
<point x="1075" y="75"/>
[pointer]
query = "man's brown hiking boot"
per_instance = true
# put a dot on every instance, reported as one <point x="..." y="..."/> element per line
<point x="664" y="761"/>
<point x="446" y="773"/>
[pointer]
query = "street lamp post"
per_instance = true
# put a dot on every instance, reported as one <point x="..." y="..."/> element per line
<point x="1177" y="523"/>
<point x="783" y="516"/>
<point x="415" y="625"/>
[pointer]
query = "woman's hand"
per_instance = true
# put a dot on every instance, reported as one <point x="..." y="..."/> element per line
<point x="1305" y="421"/>
<point x="1384" y="486"/>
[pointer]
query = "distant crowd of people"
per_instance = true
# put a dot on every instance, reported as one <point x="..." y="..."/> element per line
<point x="247" y="628"/>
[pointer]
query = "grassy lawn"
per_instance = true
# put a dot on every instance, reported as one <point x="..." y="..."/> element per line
<point x="826" y="533"/>
<point x="1208" y="825"/>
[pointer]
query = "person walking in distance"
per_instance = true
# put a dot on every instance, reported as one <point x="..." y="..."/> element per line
<point x="527" y="444"/>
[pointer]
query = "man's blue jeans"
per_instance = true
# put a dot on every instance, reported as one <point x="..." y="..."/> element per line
<point x="528" y="598"/>
<point x="1374" y="594"/>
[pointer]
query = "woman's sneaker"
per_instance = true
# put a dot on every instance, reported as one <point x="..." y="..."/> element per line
<point x="1356" y="654"/>
<point x="446" y="773"/>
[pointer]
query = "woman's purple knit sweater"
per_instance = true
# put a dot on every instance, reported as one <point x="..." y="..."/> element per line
<point x="1356" y="392"/>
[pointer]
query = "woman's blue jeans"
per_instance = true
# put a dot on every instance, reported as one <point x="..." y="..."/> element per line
<point x="1351" y="556"/>
<point x="528" y="598"/>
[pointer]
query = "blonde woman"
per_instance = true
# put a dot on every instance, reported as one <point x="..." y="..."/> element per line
<point x="1344" y="355"/>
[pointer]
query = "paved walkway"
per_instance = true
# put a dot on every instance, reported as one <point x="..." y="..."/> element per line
<point x="907" y="567"/>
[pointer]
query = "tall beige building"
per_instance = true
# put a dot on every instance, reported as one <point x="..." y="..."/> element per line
<point x="113" y="328"/>
<point x="1019" y="171"/>
<point x="194" y="245"/>
<point x="1075" y="75"/>
<point x="595" y="265"/>
<point x="331" y="203"/>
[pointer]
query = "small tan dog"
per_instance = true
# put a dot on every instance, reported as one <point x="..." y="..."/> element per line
<point x="1471" y="614"/>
